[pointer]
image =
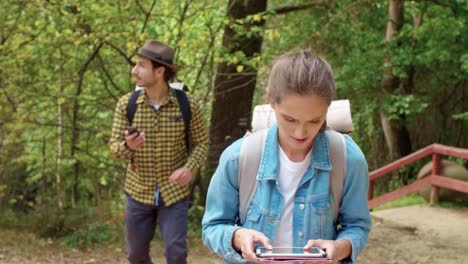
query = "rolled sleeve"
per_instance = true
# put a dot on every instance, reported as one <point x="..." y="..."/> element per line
<point x="199" y="140"/>
<point x="117" y="146"/>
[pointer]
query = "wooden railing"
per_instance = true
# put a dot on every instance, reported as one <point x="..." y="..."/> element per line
<point x="434" y="180"/>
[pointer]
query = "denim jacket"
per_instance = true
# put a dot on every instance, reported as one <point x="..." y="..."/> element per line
<point x="313" y="204"/>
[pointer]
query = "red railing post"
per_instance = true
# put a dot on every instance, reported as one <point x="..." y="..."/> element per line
<point x="435" y="171"/>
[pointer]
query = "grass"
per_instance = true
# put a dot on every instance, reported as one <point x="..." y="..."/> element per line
<point x="415" y="199"/>
<point x="454" y="205"/>
<point x="411" y="199"/>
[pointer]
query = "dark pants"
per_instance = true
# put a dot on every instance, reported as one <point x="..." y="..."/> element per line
<point x="140" y="224"/>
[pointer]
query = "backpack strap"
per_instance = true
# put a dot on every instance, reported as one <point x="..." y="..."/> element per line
<point x="251" y="151"/>
<point x="337" y="151"/>
<point x="132" y="106"/>
<point x="249" y="163"/>
<point x="184" y="106"/>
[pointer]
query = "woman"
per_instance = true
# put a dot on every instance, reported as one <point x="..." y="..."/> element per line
<point x="293" y="205"/>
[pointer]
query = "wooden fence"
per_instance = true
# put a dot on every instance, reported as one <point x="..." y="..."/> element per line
<point x="434" y="180"/>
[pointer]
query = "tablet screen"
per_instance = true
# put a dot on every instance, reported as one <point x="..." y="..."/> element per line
<point x="290" y="252"/>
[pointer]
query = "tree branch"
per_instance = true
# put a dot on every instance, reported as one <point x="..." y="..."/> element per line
<point x="9" y="99"/>
<point x="106" y="73"/>
<point x="288" y="9"/>
<point x="140" y="6"/>
<point x="213" y="35"/>
<point x="129" y="61"/>
<point x="181" y="24"/>
<point x="437" y="2"/>
<point x="147" y="15"/>
<point x="85" y="65"/>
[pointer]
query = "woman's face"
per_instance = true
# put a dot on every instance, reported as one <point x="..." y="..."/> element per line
<point x="299" y="118"/>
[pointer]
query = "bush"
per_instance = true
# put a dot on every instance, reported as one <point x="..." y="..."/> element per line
<point x="90" y="236"/>
<point x="195" y="216"/>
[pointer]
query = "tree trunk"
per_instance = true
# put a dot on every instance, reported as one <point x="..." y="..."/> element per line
<point x="58" y="172"/>
<point x="396" y="133"/>
<point x="234" y="84"/>
<point x="75" y="119"/>
<point x="43" y="182"/>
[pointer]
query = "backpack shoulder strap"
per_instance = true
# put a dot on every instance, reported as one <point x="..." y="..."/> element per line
<point x="251" y="151"/>
<point x="184" y="106"/>
<point x="132" y="106"/>
<point x="337" y="146"/>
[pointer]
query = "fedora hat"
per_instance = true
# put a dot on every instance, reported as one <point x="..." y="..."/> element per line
<point x="159" y="52"/>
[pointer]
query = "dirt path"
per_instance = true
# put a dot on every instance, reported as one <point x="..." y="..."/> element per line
<point x="22" y="248"/>
<point x="413" y="235"/>
<point x="418" y="234"/>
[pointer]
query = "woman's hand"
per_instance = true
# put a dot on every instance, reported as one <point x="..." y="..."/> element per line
<point x="336" y="249"/>
<point x="244" y="240"/>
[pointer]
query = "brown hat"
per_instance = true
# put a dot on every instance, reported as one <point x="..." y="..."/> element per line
<point x="159" y="52"/>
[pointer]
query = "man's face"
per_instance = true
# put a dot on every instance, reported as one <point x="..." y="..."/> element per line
<point x="299" y="118"/>
<point x="145" y="74"/>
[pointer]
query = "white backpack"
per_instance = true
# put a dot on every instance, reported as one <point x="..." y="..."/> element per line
<point x="251" y="152"/>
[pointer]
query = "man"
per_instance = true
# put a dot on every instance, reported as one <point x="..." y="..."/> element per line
<point x="160" y="166"/>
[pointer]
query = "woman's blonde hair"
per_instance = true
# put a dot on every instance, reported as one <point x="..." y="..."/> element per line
<point x="301" y="72"/>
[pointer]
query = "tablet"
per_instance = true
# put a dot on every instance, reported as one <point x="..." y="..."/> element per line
<point x="290" y="253"/>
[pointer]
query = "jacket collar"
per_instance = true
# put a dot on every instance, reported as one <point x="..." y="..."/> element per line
<point x="143" y="97"/>
<point x="268" y="169"/>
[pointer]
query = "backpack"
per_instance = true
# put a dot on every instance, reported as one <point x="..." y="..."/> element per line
<point x="184" y="106"/>
<point x="338" y="116"/>
<point x="251" y="152"/>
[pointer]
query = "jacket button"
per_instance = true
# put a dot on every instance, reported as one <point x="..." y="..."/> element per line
<point x="300" y="234"/>
<point x="302" y="206"/>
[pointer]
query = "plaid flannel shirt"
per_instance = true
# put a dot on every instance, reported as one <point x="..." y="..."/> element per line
<point x="164" y="150"/>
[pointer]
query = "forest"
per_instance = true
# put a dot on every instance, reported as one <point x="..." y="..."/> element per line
<point x="64" y="64"/>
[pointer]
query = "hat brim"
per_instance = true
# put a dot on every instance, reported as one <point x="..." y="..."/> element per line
<point x="170" y="66"/>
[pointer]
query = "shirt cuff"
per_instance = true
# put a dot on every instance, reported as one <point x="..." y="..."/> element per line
<point x="192" y="166"/>
<point x="232" y="255"/>
<point x="125" y="150"/>
<point x="354" y="251"/>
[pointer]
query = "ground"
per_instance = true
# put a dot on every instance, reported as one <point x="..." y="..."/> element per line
<point x="418" y="234"/>
<point x="413" y="234"/>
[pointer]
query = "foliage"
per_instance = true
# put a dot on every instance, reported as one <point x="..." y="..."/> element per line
<point x="407" y="105"/>
<point x="195" y="218"/>
<point x="63" y="68"/>
<point x="454" y="205"/>
<point x="90" y="235"/>
<point x="462" y="116"/>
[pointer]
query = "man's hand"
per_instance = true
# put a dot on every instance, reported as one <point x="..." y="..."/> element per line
<point x="182" y="176"/>
<point x="336" y="249"/>
<point x="135" y="140"/>
<point x="244" y="240"/>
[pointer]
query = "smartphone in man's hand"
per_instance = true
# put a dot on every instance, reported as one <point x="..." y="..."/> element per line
<point x="131" y="130"/>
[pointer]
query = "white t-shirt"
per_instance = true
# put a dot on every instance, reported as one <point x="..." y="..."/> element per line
<point x="290" y="174"/>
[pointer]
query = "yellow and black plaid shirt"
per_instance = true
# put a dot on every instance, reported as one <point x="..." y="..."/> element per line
<point x="164" y="150"/>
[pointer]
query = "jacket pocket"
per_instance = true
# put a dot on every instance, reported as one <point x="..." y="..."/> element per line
<point x="253" y="214"/>
<point x="319" y="216"/>
<point x="253" y="218"/>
